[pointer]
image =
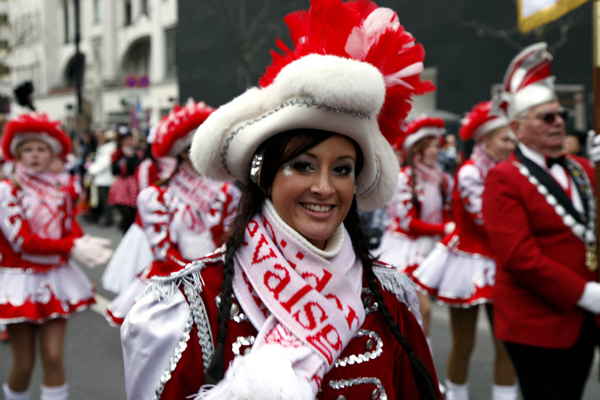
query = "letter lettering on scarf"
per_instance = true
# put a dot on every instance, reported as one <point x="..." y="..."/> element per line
<point x="319" y="283"/>
<point x="252" y="228"/>
<point x="309" y="321"/>
<point x="296" y="298"/>
<point x="328" y="338"/>
<point x="283" y="280"/>
<point x="261" y="243"/>
<point x="351" y="317"/>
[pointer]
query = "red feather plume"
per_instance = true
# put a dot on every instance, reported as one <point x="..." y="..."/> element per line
<point x="479" y="115"/>
<point x="362" y="31"/>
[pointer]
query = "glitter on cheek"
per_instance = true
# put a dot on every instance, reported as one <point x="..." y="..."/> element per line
<point x="287" y="171"/>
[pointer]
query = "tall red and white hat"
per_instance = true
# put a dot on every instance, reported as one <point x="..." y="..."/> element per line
<point x="421" y="128"/>
<point x="176" y="131"/>
<point x="479" y="122"/>
<point x="352" y="70"/>
<point x="528" y="82"/>
<point x="34" y="127"/>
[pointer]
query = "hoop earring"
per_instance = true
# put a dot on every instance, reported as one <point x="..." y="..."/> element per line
<point x="256" y="169"/>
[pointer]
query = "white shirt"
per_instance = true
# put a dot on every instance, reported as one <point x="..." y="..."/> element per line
<point x="558" y="172"/>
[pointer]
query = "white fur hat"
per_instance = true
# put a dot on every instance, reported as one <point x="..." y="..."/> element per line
<point x="324" y="90"/>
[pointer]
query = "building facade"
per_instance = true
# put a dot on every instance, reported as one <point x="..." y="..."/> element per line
<point x="128" y="52"/>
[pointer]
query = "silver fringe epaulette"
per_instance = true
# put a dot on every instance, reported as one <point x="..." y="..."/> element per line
<point x="396" y="282"/>
<point x="163" y="287"/>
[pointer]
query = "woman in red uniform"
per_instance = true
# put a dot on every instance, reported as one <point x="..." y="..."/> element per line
<point x="419" y="212"/>
<point x="40" y="287"/>
<point x="460" y="270"/>
<point x="295" y="307"/>
<point x="184" y="217"/>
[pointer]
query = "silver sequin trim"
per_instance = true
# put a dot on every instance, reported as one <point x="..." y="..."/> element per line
<point x="201" y="320"/>
<point x="294" y="102"/>
<point x="373" y="307"/>
<point x="361" y="358"/>
<point x="343" y="383"/>
<point x="173" y="361"/>
<point x="242" y="341"/>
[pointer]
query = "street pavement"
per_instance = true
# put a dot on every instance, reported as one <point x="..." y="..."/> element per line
<point x="95" y="363"/>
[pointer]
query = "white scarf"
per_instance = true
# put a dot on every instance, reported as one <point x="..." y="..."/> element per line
<point x="426" y="173"/>
<point x="305" y="304"/>
<point x="44" y="201"/>
<point x="482" y="160"/>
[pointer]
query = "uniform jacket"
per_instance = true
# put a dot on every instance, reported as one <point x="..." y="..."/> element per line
<point x="407" y="218"/>
<point x="541" y="271"/>
<point x="168" y="339"/>
<point x="37" y="236"/>
<point x="185" y="219"/>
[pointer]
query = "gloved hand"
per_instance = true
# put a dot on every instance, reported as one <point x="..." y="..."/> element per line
<point x="449" y="228"/>
<point x="91" y="251"/>
<point x="590" y="300"/>
<point x="593" y="145"/>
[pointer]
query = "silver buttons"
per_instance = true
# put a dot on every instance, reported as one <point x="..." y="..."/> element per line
<point x="235" y="310"/>
<point x="247" y="350"/>
<point x="367" y="301"/>
<point x="375" y="394"/>
<point x="341" y="397"/>
<point x="369" y="345"/>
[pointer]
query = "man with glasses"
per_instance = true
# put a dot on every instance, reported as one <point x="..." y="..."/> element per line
<point x="539" y="210"/>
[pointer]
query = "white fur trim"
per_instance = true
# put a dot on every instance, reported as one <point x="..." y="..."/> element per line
<point x="531" y="96"/>
<point x="412" y="139"/>
<point x="489" y="126"/>
<point x="181" y="144"/>
<point x="19" y="138"/>
<point x="264" y="374"/>
<point x="225" y="143"/>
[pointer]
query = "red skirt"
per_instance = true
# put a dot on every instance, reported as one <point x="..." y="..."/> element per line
<point x="123" y="191"/>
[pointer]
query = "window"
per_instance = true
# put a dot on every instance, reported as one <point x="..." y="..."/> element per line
<point x="3" y="19"/>
<point x="97" y="11"/>
<point x="170" y="52"/>
<point x="66" y="21"/>
<point x="4" y="69"/>
<point x="128" y="16"/>
<point x="145" y="8"/>
<point x="3" y="44"/>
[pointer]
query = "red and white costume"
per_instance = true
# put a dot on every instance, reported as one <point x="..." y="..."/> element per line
<point x="306" y="312"/>
<point x="419" y="210"/>
<point x="38" y="282"/>
<point x="460" y="271"/>
<point x="168" y="361"/>
<point x="183" y="220"/>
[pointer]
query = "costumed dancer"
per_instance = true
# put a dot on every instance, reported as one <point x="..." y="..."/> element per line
<point x="419" y="213"/>
<point x="539" y="210"/>
<point x="460" y="270"/>
<point x="40" y="286"/>
<point x="296" y="284"/>
<point x="185" y="216"/>
<point x="133" y="254"/>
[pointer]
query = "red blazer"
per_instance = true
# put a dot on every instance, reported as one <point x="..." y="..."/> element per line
<point x="541" y="270"/>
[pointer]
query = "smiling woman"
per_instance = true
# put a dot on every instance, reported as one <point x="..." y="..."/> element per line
<point x="294" y="307"/>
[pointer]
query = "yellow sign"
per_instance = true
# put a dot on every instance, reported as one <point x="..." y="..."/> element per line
<point x="535" y="13"/>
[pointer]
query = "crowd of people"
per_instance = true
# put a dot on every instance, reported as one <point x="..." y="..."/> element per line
<point x="290" y="244"/>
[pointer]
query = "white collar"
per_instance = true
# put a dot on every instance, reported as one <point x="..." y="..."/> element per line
<point x="533" y="156"/>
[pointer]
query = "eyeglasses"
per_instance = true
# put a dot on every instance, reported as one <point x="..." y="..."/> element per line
<point x="550" y="117"/>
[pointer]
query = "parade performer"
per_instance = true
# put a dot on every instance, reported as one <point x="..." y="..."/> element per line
<point x="418" y="214"/>
<point x="460" y="270"/>
<point x="185" y="216"/>
<point x="295" y="282"/>
<point x="540" y="211"/>
<point x="133" y="254"/>
<point x="40" y="287"/>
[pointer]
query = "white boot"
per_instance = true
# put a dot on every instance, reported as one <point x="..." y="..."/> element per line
<point x="55" y="392"/>
<point x="456" y="391"/>
<point x="500" y="392"/>
<point x="10" y="395"/>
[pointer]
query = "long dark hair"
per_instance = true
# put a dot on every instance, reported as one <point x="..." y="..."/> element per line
<point x="277" y="151"/>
